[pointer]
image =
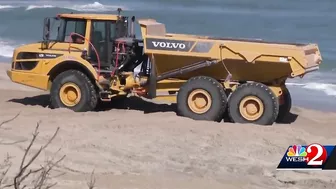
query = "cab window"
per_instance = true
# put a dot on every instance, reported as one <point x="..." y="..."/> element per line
<point x="112" y="31"/>
<point x="70" y="26"/>
<point x="99" y="41"/>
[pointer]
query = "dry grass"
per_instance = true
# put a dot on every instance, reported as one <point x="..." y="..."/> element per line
<point x="39" y="178"/>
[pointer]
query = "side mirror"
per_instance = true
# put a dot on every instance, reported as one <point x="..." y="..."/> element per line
<point x="46" y="29"/>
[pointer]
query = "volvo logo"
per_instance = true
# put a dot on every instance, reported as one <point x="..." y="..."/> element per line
<point x="169" y="45"/>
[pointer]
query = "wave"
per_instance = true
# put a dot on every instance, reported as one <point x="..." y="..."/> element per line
<point x="96" y="6"/>
<point x="327" y="88"/>
<point x="92" y="7"/>
<point x="31" y="7"/>
<point x="6" y="48"/>
<point x="4" y="7"/>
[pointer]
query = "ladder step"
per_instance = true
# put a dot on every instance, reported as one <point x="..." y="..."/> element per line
<point x="104" y="96"/>
<point x="104" y="71"/>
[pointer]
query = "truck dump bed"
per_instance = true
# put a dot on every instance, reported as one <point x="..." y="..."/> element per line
<point x="245" y="59"/>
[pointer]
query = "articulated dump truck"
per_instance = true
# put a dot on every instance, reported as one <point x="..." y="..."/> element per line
<point x="206" y="77"/>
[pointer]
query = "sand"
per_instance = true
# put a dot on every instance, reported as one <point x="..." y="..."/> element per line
<point x="145" y="145"/>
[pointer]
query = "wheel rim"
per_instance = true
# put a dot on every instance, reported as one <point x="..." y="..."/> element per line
<point x="199" y="101"/>
<point x="251" y="108"/>
<point x="70" y="94"/>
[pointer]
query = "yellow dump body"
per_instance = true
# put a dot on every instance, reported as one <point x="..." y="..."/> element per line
<point x="245" y="59"/>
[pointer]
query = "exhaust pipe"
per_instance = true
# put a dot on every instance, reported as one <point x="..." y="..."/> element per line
<point x="119" y="10"/>
<point x="132" y="27"/>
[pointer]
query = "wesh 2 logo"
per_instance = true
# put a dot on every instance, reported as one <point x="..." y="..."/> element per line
<point x="313" y="156"/>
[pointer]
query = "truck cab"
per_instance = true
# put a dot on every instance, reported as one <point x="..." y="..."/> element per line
<point x="86" y="42"/>
<point x="78" y="31"/>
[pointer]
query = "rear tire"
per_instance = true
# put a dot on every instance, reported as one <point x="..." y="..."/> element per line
<point x="202" y="98"/>
<point x="72" y="89"/>
<point x="284" y="109"/>
<point x="253" y="103"/>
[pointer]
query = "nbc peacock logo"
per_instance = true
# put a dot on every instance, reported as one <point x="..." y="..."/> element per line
<point x="296" y="153"/>
<point x="297" y="150"/>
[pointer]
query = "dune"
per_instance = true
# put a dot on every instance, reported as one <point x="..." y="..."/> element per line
<point x="144" y="144"/>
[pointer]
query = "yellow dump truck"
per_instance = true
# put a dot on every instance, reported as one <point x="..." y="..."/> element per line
<point x="96" y="57"/>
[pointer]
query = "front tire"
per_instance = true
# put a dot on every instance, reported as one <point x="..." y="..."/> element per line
<point x="72" y="89"/>
<point x="202" y="98"/>
<point x="253" y="103"/>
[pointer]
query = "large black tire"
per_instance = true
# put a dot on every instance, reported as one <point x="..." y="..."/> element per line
<point x="211" y="91"/>
<point x="79" y="83"/>
<point x="259" y="94"/>
<point x="284" y="109"/>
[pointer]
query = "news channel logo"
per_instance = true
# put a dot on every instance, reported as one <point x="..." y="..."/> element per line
<point x="305" y="157"/>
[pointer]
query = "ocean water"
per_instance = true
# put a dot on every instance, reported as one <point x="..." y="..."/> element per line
<point x="307" y="21"/>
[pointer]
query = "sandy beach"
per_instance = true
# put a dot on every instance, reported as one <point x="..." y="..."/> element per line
<point x="143" y="144"/>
